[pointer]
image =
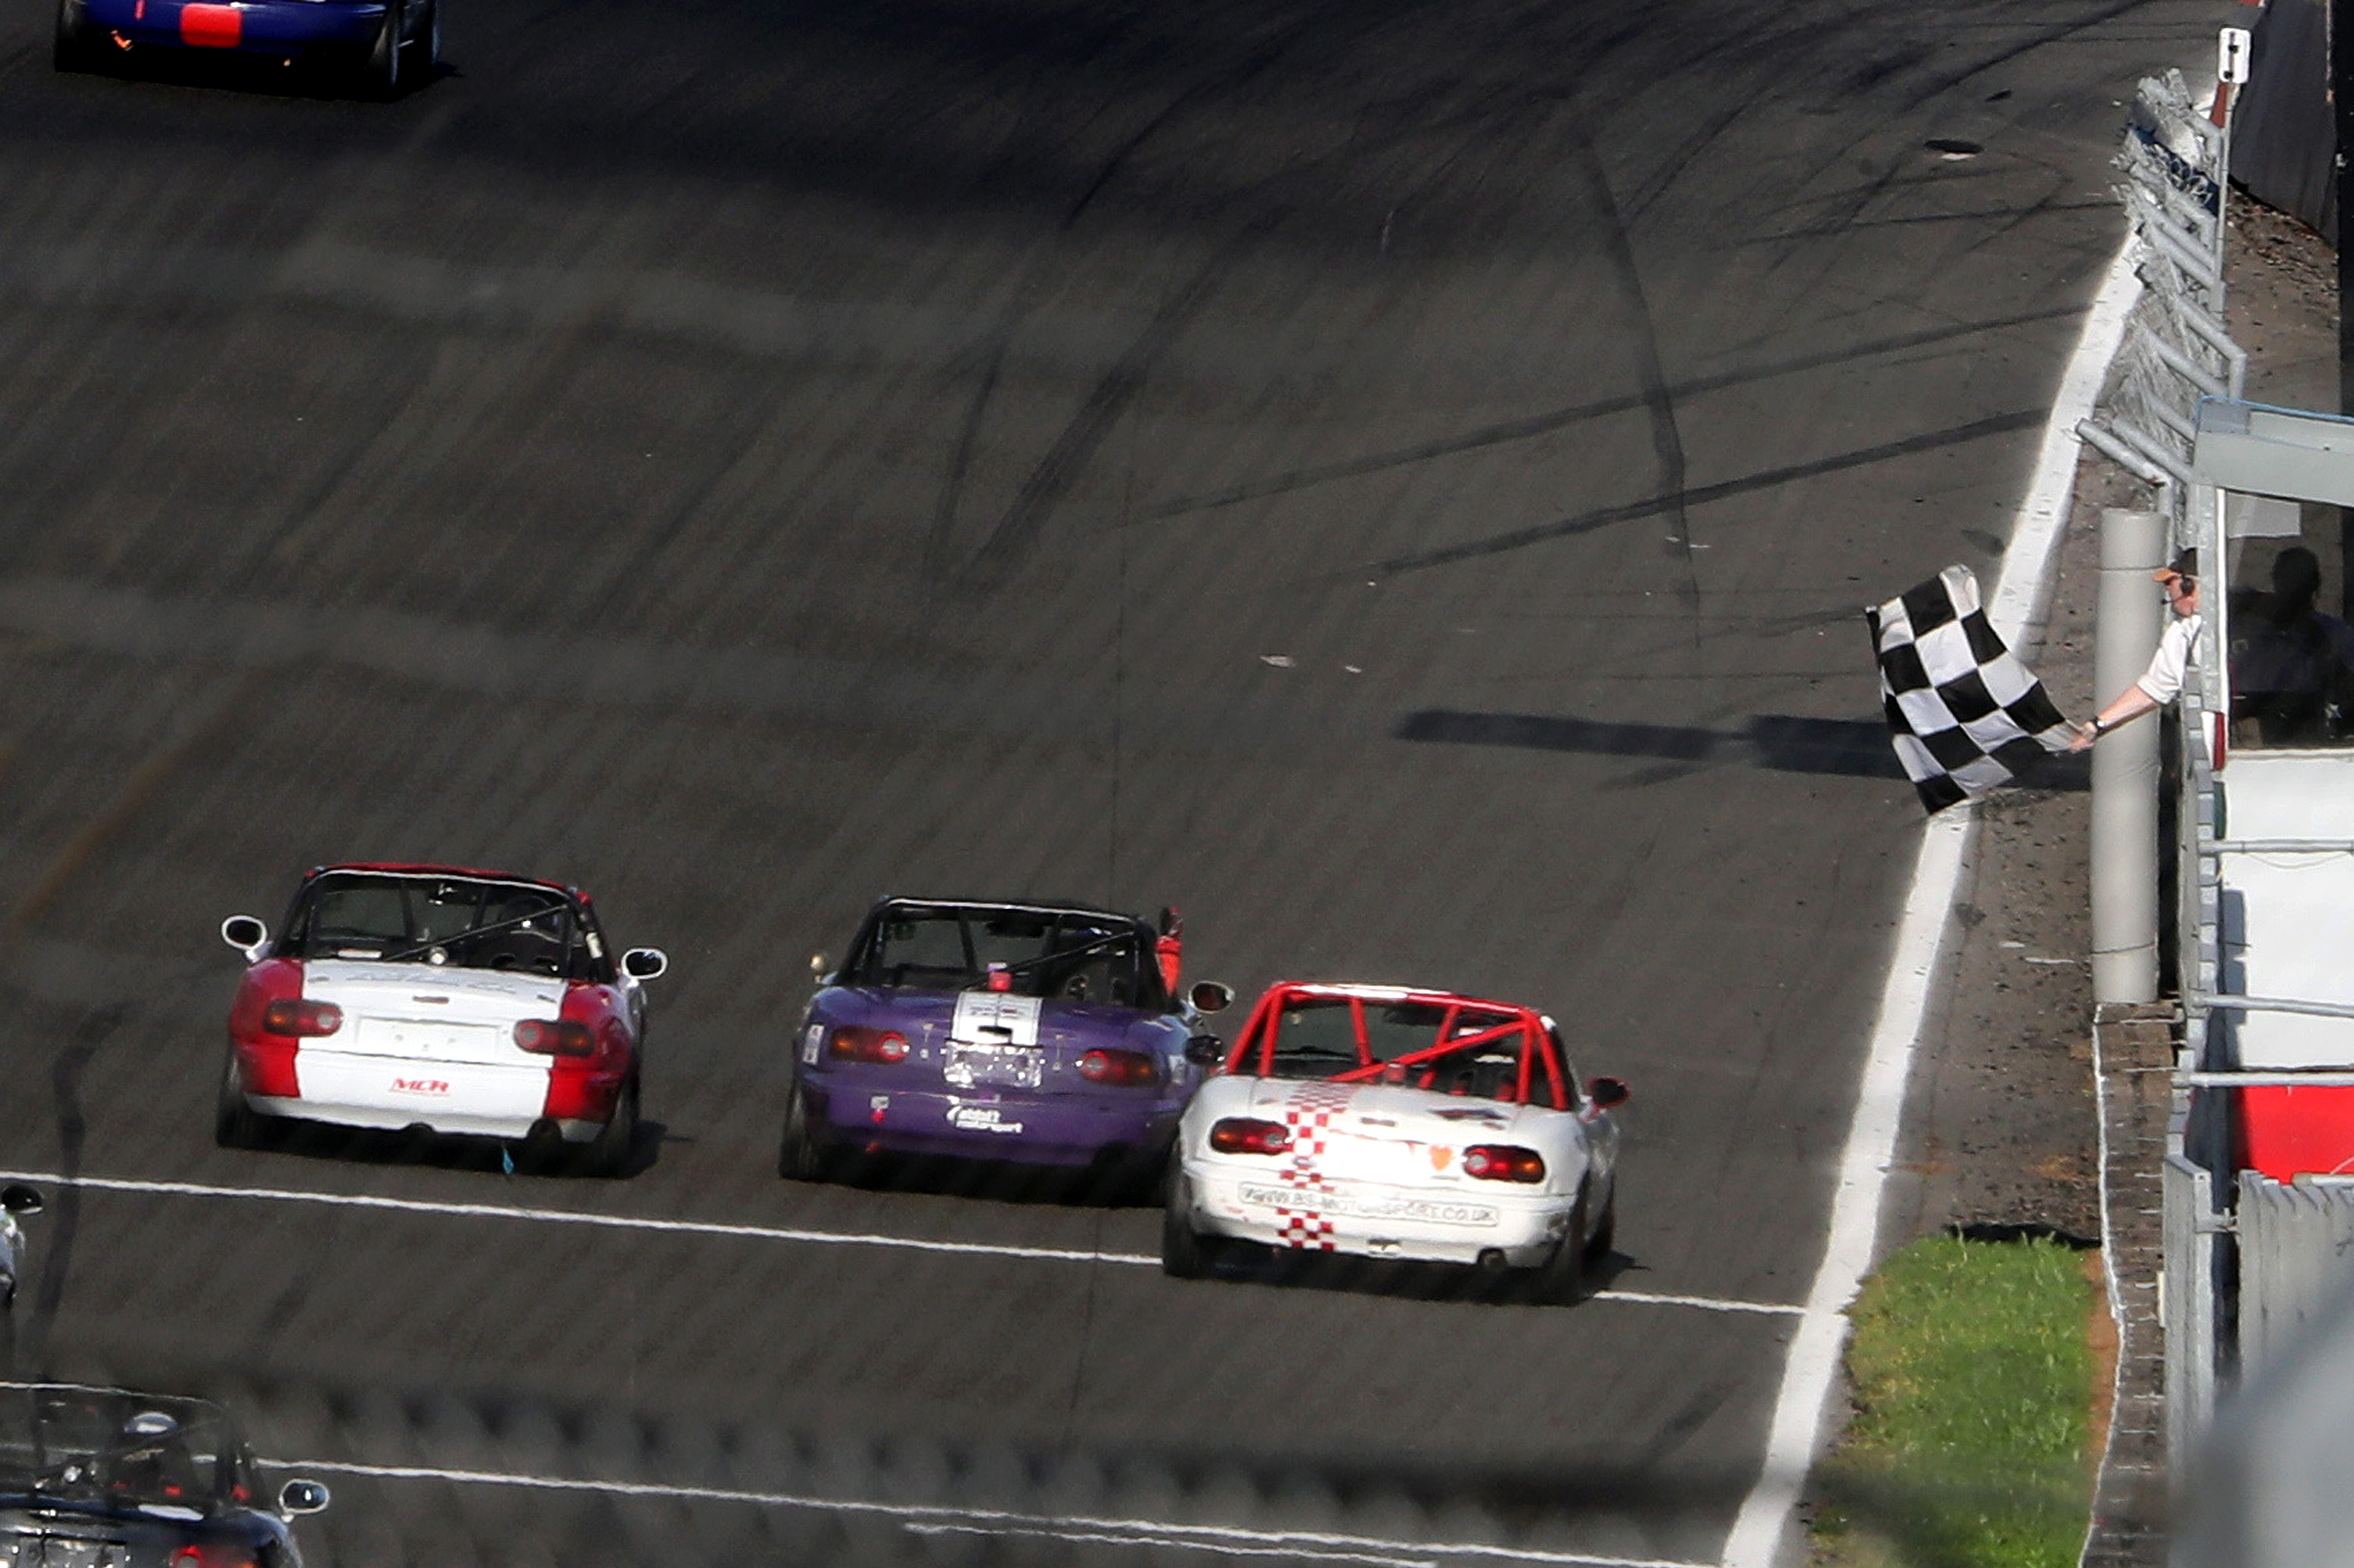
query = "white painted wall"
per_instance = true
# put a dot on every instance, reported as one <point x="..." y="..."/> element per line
<point x="2289" y="931"/>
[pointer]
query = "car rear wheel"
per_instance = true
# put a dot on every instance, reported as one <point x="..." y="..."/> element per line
<point x="1185" y="1253"/>
<point x="77" y="44"/>
<point x="236" y="1124"/>
<point x="380" y="73"/>
<point x="802" y="1154"/>
<point x="424" y="50"/>
<point x="608" y="1154"/>
<point x="1567" y="1277"/>
<point x="1603" y="1237"/>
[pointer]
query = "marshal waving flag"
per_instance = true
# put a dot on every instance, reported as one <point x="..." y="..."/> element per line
<point x="1965" y="716"/>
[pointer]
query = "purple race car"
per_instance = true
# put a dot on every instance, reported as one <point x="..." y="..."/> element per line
<point x="1038" y="1033"/>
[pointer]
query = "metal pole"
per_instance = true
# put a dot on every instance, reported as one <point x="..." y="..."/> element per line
<point x="2341" y="82"/>
<point x="2125" y="764"/>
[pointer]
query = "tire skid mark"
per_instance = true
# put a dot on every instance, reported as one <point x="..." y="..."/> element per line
<point x="65" y="1072"/>
<point x="1949" y="80"/>
<point x="1651" y="506"/>
<point x="939" y="543"/>
<point x="1080" y="438"/>
<point x="1667" y="437"/>
<point x="1555" y="420"/>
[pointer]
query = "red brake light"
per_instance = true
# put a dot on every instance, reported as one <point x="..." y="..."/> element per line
<point x="853" y="1044"/>
<point x="1248" y="1135"/>
<point x="213" y="1555"/>
<point x="554" y="1037"/>
<point x="292" y="1015"/>
<point x="1504" y="1163"/>
<point x="1122" y="1069"/>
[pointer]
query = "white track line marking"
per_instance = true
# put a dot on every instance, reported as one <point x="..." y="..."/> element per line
<point x="1705" y="1303"/>
<point x="1004" y="1521"/>
<point x="573" y="1217"/>
<point x="1849" y="1248"/>
<point x="717" y="1228"/>
<point x="1106" y="1537"/>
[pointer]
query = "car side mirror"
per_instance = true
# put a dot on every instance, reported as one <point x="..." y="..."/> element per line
<point x="1206" y="1050"/>
<point x="301" y="1497"/>
<point x="1607" y="1092"/>
<point x="645" y="963"/>
<point x="18" y="1199"/>
<point x="247" y="934"/>
<point x="1209" y="996"/>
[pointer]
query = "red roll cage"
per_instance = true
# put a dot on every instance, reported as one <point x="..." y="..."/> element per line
<point x="1491" y="1023"/>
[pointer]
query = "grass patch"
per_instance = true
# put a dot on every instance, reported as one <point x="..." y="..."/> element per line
<point x="1973" y="1383"/>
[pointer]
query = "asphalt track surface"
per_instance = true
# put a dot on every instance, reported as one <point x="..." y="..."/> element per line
<point x="1394" y="481"/>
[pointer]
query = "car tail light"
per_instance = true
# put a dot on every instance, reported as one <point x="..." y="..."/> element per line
<point x="1248" y="1135"/>
<point x="213" y="1555"/>
<point x="1504" y="1163"/>
<point x="854" y="1044"/>
<point x="554" y="1037"/>
<point x="292" y="1015"/>
<point x="1122" y="1069"/>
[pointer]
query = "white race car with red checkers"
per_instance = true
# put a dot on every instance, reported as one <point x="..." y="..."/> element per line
<point x="435" y="998"/>
<point x="1391" y="1122"/>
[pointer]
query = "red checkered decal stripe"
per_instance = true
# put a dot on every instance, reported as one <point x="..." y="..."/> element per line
<point x="1308" y="1116"/>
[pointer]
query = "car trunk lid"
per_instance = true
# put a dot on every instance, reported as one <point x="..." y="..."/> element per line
<point x="982" y="1040"/>
<point x="428" y="1012"/>
<point x="1381" y="1132"/>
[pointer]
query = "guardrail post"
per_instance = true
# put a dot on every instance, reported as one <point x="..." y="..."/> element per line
<point x="2187" y="1308"/>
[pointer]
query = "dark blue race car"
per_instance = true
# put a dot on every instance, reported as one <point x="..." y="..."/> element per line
<point x="105" y="1477"/>
<point x="386" y="44"/>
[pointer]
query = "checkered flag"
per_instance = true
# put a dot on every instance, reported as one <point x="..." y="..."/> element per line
<point x="1965" y="716"/>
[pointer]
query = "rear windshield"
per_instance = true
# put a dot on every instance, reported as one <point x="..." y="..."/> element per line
<point x="110" y="1451"/>
<point x="1074" y="957"/>
<point x="466" y="922"/>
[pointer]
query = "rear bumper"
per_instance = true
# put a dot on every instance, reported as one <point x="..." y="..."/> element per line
<point x="376" y="1119"/>
<point x="1372" y="1220"/>
<point x="279" y="28"/>
<point x="473" y="1099"/>
<point x="1065" y="1129"/>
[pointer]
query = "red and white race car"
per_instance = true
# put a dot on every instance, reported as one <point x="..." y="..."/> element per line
<point x="456" y="1000"/>
<point x="1400" y="1123"/>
